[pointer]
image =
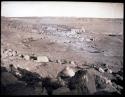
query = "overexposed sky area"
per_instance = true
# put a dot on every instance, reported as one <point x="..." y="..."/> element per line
<point x="61" y="9"/>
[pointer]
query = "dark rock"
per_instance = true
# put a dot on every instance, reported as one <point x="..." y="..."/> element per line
<point x="105" y="93"/>
<point x="20" y="55"/>
<point x="50" y="84"/>
<point x="38" y="90"/>
<point x="3" y="69"/>
<point x="44" y="92"/>
<point x="109" y="71"/>
<point x="61" y="81"/>
<point x="18" y="89"/>
<point x="83" y="82"/>
<point x="29" y="84"/>
<point x="118" y="79"/>
<point x="8" y="78"/>
<point x="32" y="57"/>
<point x="29" y="77"/>
<point x="63" y="61"/>
<point x="100" y="82"/>
<point x="50" y="60"/>
<point x="61" y="91"/>
<point x="13" y="69"/>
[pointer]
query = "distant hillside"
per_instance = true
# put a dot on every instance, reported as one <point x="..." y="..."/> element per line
<point x="95" y="25"/>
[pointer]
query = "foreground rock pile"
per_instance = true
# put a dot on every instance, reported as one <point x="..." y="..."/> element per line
<point x="68" y="82"/>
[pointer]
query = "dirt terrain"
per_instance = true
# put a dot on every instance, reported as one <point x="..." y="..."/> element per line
<point x="78" y="43"/>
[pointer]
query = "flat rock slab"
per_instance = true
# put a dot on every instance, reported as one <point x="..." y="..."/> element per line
<point x="42" y="59"/>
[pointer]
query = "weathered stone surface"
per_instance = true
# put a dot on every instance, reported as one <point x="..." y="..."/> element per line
<point x="26" y="57"/>
<point x="42" y="59"/>
<point x="100" y="82"/>
<point x="67" y="72"/>
<point x="109" y="71"/>
<point x="83" y="82"/>
<point x="61" y="81"/>
<point x="20" y="55"/>
<point x="101" y="70"/>
<point x="73" y="63"/>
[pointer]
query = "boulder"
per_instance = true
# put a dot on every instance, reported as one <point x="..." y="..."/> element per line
<point x="109" y="71"/>
<point x="101" y="70"/>
<point x="18" y="74"/>
<point x="26" y="57"/>
<point x="100" y="82"/>
<point x="88" y="40"/>
<point x="83" y="82"/>
<point x="42" y="59"/>
<point x="108" y="82"/>
<point x="67" y="72"/>
<point x="72" y="62"/>
<point x="51" y="84"/>
<point x="33" y="57"/>
<point x="61" y="81"/>
<point x="20" y="55"/>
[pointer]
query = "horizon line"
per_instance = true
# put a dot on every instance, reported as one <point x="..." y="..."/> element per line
<point x="57" y="17"/>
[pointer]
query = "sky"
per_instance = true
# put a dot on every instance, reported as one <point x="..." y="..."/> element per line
<point x="61" y="9"/>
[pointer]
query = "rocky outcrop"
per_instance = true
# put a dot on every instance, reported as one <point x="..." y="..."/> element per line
<point x="67" y="72"/>
<point x="83" y="82"/>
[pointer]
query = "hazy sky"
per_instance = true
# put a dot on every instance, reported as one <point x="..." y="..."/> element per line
<point x="69" y="9"/>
